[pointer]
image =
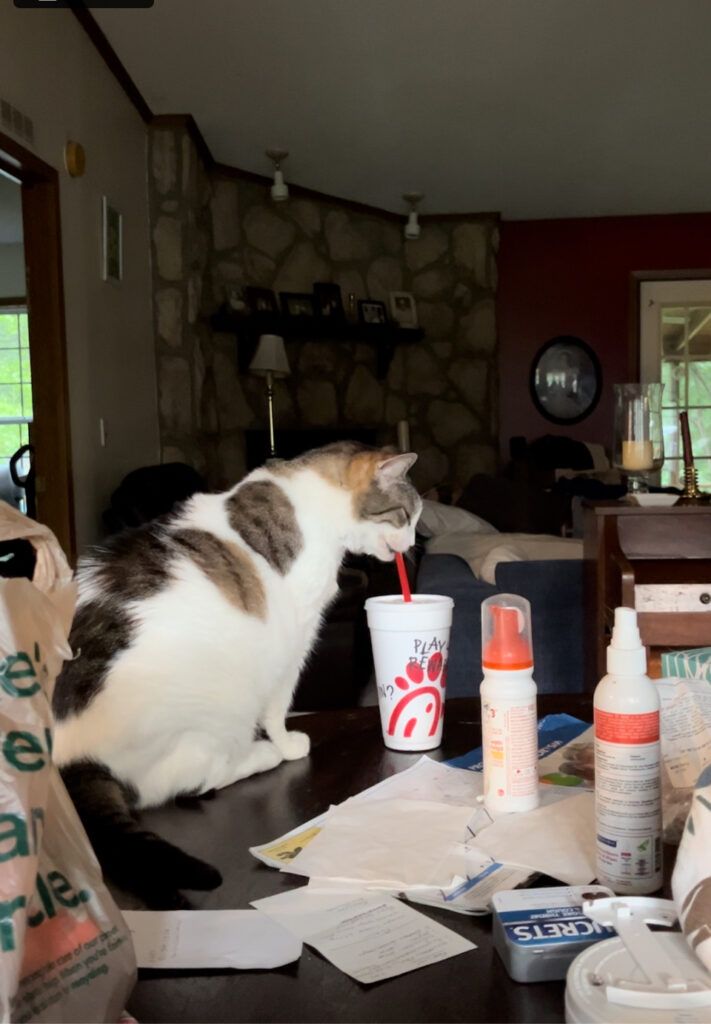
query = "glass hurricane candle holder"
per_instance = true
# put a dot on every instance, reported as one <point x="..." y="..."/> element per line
<point x="638" y="437"/>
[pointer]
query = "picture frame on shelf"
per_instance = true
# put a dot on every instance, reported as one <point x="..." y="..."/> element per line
<point x="111" y="242"/>
<point x="403" y="309"/>
<point x="260" y="300"/>
<point x="328" y="302"/>
<point x="371" y="311"/>
<point x="297" y="303"/>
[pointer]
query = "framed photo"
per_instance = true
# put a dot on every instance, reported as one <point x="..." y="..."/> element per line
<point x="402" y="309"/>
<point x="111" y="242"/>
<point x="565" y="380"/>
<point x="327" y="300"/>
<point x="370" y="311"/>
<point x="297" y="303"/>
<point x="261" y="300"/>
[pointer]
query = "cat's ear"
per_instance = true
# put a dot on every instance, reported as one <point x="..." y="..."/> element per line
<point x="395" y="468"/>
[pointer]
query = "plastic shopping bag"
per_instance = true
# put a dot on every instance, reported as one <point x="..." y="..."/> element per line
<point x="65" y="952"/>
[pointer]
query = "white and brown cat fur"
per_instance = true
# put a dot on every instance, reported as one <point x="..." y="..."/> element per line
<point x="189" y="636"/>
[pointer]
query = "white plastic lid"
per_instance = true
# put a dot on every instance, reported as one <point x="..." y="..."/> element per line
<point x="642" y="976"/>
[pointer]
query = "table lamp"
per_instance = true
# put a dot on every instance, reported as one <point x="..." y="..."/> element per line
<point x="270" y="361"/>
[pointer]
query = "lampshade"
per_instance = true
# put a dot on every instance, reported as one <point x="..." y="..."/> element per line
<point x="270" y="357"/>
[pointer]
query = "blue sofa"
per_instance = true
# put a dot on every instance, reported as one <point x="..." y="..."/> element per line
<point x="555" y="590"/>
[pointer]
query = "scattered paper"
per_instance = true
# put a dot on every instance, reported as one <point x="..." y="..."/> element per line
<point x="557" y="839"/>
<point x="475" y="875"/>
<point x="367" y="937"/>
<point x="244" y="939"/>
<point x="399" y="842"/>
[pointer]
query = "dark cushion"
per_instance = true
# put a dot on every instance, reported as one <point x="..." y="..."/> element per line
<point x="555" y="591"/>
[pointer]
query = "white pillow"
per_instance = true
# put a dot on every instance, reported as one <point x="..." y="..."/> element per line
<point x="436" y="519"/>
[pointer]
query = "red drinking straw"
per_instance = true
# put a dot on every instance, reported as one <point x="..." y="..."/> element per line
<point x="404" y="585"/>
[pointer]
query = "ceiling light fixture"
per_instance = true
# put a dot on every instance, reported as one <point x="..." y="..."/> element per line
<point x="279" y="190"/>
<point x="412" y="227"/>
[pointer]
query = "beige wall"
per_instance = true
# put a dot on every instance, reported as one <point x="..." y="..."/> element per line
<point x="53" y="74"/>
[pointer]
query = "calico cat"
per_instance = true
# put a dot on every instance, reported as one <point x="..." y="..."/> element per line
<point x="189" y="636"/>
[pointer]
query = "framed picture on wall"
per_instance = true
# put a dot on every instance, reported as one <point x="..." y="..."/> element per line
<point x="111" y="242"/>
<point x="565" y="380"/>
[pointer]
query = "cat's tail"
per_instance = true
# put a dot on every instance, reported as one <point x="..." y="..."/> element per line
<point x="133" y="857"/>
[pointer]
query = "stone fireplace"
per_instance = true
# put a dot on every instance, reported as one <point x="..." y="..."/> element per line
<point x="215" y="231"/>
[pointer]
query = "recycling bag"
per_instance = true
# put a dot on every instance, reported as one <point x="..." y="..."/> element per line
<point x="65" y="952"/>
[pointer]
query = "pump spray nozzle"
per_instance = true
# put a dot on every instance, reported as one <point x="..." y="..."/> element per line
<point x="506" y="632"/>
<point x="626" y="656"/>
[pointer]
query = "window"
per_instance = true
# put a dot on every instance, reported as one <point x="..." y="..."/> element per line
<point x="15" y="384"/>
<point x="675" y="347"/>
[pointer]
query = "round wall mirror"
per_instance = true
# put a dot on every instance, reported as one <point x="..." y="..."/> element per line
<point x="566" y="380"/>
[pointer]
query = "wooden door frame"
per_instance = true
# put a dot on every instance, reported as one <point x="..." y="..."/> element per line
<point x="49" y="431"/>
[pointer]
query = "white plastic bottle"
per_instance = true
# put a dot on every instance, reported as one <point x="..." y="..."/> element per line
<point x="628" y="801"/>
<point x="509" y="719"/>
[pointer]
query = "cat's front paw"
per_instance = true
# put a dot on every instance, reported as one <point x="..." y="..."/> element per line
<point x="293" y="745"/>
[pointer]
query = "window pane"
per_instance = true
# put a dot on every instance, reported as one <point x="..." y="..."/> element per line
<point x="10" y="439"/>
<point x="9" y="367"/>
<point x="703" y="474"/>
<point x="672" y="433"/>
<point x="699" y="338"/>
<point x="674" y="381"/>
<point x="700" y="431"/>
<point x="672" y="474"/>
<point x="24" y="331"/>
<point x="8" y="330"/>
<point x="673" y="330"/>
<point x="699" y="383"/>
<point x="10" y="400"/>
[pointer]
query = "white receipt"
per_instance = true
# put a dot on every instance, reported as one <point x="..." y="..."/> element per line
<point x="366" y="936"/>
<point x="243" y="939"/>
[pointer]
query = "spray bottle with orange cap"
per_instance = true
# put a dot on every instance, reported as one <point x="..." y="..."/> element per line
<point x="509" y="718"/>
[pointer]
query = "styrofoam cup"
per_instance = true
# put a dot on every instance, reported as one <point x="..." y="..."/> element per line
<point x="410" y="641"/>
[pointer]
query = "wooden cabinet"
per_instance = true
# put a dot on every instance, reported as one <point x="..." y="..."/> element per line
<point x="654" y="559"/>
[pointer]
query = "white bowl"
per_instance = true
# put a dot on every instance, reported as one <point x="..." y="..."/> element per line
<point x="660" y="499"/>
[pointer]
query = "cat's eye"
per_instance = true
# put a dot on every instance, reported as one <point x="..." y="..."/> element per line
<point x="396" y="515"/>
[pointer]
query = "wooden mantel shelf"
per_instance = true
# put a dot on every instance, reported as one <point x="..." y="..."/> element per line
<point x="247" y="328"/>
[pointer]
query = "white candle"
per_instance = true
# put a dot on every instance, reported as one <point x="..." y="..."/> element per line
<point x="637" y="455"/>
<point x="403" y="435"/>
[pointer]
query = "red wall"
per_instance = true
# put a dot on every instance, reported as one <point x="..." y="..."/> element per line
<point x="574" y="277"/>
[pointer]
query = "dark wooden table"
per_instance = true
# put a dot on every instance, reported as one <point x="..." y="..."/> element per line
<point x="347" y="756"/>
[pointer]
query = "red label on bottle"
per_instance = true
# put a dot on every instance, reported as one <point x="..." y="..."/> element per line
<point x="614" y="728"/>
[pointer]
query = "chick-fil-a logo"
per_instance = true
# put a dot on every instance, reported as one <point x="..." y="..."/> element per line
<point x="424" y="701"/>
